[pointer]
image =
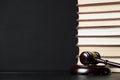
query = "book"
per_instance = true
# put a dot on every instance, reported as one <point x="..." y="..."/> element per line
<point x="114" y="69"/>
<point x="95" y="6"/>
<point x="105" y="16"/>
<point x="104" y="51"/>
<point x="95" y="1"/>
<point x="98" y="40"/>
<point x="99" y="32"/>
<point x="99" y="23"/>
<point x="100" y="8"/>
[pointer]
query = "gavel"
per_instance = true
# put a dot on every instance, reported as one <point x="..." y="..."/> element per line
<point x="92" y="58"/>
<point x="89" y="61"/>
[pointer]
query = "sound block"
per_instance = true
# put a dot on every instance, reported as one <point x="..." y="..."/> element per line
<point x="90" y="70"/>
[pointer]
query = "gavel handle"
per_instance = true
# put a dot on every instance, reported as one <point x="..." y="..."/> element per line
<point x="108" y="62"/>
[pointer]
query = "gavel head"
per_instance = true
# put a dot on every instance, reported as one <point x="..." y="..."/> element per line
<point x="88" y="58"/>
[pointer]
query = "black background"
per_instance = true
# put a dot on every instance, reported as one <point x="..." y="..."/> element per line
<point x="37" y="35"/>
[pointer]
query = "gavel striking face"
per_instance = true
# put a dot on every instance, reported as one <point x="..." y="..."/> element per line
<point x="92" y="58"/>
<point x="87" y="58"/>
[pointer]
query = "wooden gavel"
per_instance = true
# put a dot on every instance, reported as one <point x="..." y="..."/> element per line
<point x="92" y="58"/>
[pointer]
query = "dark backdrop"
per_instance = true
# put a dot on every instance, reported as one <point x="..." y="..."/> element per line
<point x="37" y="35"/>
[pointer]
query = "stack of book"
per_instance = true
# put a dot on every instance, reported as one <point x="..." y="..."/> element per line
<point x="99" y="28"/>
